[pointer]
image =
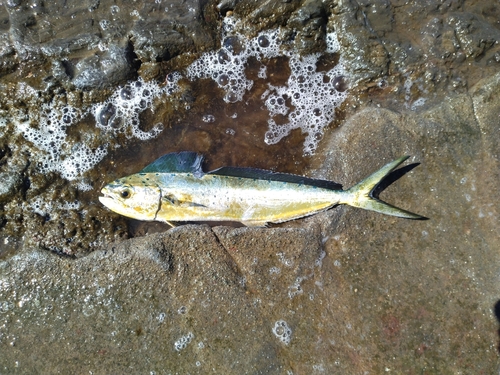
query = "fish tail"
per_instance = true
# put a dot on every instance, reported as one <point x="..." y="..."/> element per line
<point x="361" y="195"/>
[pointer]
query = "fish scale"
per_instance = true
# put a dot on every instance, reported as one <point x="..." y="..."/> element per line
<point x="251" y="201"/>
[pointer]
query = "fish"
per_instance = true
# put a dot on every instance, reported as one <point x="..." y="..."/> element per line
<point x="174" y="189"/>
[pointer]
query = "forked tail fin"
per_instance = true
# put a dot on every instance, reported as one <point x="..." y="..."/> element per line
<point x="361" y="195"/>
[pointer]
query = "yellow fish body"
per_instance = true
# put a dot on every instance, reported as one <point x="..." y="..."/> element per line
<point x="175" y="189"/>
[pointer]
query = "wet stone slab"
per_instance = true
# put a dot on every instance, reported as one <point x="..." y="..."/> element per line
<point x="176" y="302"/>
<point x="344" y="291"/>
<point x="94" y="90"/>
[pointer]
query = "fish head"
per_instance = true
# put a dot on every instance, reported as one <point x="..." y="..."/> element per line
<point x="132" y="198"/>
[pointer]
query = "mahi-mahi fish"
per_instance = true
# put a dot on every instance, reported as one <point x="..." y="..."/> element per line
<point x="175" y="189"/>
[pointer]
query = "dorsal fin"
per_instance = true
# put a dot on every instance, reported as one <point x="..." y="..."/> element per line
<point x="180" y="162"/>
<point x="261" y="174"/>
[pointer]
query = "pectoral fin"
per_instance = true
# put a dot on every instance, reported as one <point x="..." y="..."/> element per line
<point x="181" y="202"/>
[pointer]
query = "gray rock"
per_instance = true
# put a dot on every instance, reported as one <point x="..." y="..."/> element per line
<point x="11" y="171"/>
<point x="473" y="34"/>
<point x="365" y="56"/>
<point x="343" y="291"/>
<point x="89" y="37"/>
<point x="114" y="65"/>
<point x="198" y="311"/>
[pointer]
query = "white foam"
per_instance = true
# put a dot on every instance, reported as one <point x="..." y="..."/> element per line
<point x="120" y="113"/>
<point x="183" y="341"/>
<point x="50" y="137"/>
<point x="282" y="331"/>
<point x="47" y="128"/>
<point x="314" y="95"/>
<point x="40" y="207"/>
<point x="332" y="43"/>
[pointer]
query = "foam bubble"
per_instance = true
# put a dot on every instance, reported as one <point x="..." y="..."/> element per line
<point x="227" y="65"/>
<point x="208" y="118"/>
<point x="40" y="207"/>
<point x="83" y="186"/>
<point x="47" y="127"/>
<point x="50" y="137"/>
<point x="44" y="207"/>
<point x="296" y="288"/>
<point x="313" y="95"/>
<point x="183" y="341"/>
<point x="282" y="331"/>
<point x="120" y="113"/>
<point x="332" y="43"/>
<point x="71" y="205"/>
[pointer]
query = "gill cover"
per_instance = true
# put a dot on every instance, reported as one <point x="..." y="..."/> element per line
<point x="137" y="201"/>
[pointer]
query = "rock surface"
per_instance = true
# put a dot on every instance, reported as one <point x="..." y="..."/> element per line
<point x="343" y="292"/>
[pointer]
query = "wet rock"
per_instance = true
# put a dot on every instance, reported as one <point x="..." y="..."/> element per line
<point x="11" y="173"/>
<point x="378" y="15"/>
<point x="364" y="55"/>
<point x="198" y="311"/>
<point x="226" y="5"/>
<point x="439" y="39"/>
<point x="455" y="179"/>
<point x="474" y="35"/>
<point x="88" y="36"/>
<point x="309" y="22"/>
<point x="342" y="291"/>
<point x="267" y="13"/>
<point x="180" y="31"/>
<point x="7" y="54"/>
<point x="114" y="65"/>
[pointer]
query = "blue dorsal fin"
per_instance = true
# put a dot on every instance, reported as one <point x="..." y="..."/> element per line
<point x="180" y="162"/>
<point x="261" y="174"/>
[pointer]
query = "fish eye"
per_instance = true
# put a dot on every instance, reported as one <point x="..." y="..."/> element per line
<point x="126" y="193"/>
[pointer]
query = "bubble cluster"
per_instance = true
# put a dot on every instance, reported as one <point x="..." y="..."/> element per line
<point x="332" y="43"/>
<point x="208" y="118"/>
<point x="226" y="66"/>
<point x="274" y="270"/>
<point x="183" y="341"/>
<point x="44" y="207"/>
<point x="286" y="261"/>
<point x="161" y="317"/>
<point x="313" y="95"/>
<point x="282" y="331"/>
<point x="50" y="137"/>
<point x="296" y="288"/>
<point x="308" y="100"/>
<point x="81" y="159"/>
<point x="75" y="205"/>
<point x="40" y="206"/>
<point x="47" y="127"/>
<point x="122" y="109"/>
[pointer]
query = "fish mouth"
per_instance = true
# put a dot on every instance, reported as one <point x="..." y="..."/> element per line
<point x="107" y="200"/>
